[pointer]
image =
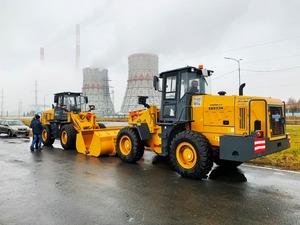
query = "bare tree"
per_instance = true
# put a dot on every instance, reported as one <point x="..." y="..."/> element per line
<point x="298" y="106"/>
<point x="291" y="105"/>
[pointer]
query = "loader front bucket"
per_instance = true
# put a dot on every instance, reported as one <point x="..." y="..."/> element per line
<point x="97" y="142"/>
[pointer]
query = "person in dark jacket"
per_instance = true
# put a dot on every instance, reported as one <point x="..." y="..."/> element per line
<point x="37" y="141"/>
<point x="37" y="128"/>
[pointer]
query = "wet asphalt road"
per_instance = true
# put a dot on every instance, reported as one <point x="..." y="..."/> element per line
<point x="54" y="186"/>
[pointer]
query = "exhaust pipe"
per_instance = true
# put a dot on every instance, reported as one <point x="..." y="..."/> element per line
<point x="241" y="89"/>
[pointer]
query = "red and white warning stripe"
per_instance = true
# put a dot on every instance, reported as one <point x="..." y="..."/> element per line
<point x="259" y="145"/>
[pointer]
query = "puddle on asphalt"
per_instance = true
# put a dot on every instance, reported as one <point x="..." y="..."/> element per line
<point x="14" y="140"/>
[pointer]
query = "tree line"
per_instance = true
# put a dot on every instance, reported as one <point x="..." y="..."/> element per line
<point x="293" y="106"/>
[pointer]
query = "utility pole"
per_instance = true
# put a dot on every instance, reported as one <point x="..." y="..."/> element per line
<point x="113" y="97"/>
<point x="20" y="107"/>
<point x="45" y="101"/>
<point x="239" y="69"/>
<point x="2" y="104"/>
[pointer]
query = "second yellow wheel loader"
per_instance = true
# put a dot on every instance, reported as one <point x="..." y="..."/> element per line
<point x="77" y="128"/>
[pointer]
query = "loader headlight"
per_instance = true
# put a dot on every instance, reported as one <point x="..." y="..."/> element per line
<point x="134" y="114"/>
<point x="89" y="115"/>
<point x="259" y="134"/>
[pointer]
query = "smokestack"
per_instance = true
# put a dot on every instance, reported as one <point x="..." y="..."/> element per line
<point x="42" y="55"/>
<point x="241" y="89"/>
<point x="36" y="96"/>
<point x="77" y="47"/>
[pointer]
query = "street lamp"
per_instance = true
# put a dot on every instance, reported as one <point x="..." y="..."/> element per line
<point x="238" y="61"/>
<point x="44" y="101"/>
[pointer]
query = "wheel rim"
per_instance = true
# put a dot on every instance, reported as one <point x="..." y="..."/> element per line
<point x="186" y="155"/>
<point x="125" y="145"/>
<point x="64" y="137"/>
<point x="44" y="135"/>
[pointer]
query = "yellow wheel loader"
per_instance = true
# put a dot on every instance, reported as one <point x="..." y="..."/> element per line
<point x="195" y="128"/>
<point x="77" y="128"/>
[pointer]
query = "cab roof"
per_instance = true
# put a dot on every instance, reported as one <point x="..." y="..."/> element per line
<point x="69" y="93"/>
<point x="185" y="69"/>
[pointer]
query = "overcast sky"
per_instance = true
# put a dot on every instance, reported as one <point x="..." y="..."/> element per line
<point x="265" y="34"/>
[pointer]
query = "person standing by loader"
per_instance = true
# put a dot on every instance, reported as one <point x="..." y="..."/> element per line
<point x="37" y="128"/>
<point x="36" y="143"/>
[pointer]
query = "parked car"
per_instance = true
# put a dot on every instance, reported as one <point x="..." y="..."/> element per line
<point x="14" y="128"/>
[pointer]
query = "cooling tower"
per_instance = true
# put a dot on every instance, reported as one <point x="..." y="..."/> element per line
<point x="96" y="87"/>
<point x="141" y="69"/>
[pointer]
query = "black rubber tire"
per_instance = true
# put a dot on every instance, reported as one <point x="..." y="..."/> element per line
<point x="46" y="136"/>
<point x="129" y="145"/>
<point x="226" y="163"/>
<point x="191" y="155"/>
<point x="9" y="133"/>
<point x="101" y="125"/>
<point x="68" y="137"/>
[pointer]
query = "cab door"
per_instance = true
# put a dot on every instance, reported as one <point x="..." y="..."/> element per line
<point x="60" y="111"/>
<point x="258" y="115"/>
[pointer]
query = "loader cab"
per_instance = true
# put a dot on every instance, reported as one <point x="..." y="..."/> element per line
<point x="68" y="102"/>
<point x="177" y="87"/>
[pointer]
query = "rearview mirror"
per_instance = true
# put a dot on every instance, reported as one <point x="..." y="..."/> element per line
<point x="156" y="83"/>
<point x="55" y="98"/>
<point x="92" y="107"/>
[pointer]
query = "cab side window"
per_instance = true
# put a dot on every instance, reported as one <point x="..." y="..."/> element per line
<point x="171" y="87"/>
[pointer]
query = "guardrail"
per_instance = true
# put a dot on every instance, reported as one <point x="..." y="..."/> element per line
<point x="293" y="122"/>
<point x="113" y="119"/>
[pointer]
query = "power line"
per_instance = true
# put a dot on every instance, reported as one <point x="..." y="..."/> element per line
<point x="276" y="86"/>
<point x="271" y="59"/>
<point x="241" y="48"/>
<point x="269" y="71"/>
<point x="264" y="43"/>
<point x="259" y="71"/>
<point x="223" y="75"/>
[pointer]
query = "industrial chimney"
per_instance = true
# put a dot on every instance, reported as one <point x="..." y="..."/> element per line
<point x="77" y="47"/>
<point x="42" y="55"/>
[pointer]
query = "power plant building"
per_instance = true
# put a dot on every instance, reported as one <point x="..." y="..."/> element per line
<point x="141" y="69"/>
<point x="96" y="87"/>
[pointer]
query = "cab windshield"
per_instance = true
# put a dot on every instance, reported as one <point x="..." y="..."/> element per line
<point x="193" y="83"/>
<point x="74" y="103"/>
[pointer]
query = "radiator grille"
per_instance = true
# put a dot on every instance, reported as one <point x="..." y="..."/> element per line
<point x="242" y="118"/>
